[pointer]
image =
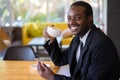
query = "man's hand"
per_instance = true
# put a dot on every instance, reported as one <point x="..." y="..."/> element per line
<point x="45" y="71"/>
<point x="46" y="35"/>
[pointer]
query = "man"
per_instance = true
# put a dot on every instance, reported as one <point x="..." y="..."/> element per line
<point x="95" y="58"/>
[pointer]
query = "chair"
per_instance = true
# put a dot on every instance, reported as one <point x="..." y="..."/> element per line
<point x="19" y="53"/>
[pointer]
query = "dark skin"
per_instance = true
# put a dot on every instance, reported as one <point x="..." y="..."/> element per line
<point x="79" y="24"/>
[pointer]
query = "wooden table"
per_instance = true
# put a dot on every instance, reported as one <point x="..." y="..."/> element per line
<point x="20" y="70"/>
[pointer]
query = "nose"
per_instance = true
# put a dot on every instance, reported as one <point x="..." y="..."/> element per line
<point x="72" y="22"/>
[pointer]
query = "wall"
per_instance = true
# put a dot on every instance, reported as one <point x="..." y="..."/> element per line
<point x="113" y="22"/>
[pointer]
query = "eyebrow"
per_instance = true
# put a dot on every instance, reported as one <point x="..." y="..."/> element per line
<point x="74" y="15"/>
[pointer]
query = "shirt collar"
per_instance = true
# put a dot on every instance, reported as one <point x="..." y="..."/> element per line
<point x="83" y="39"/>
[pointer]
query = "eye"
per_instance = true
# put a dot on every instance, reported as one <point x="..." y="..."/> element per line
<point x="68" y="18"/>
<point x="77" y="18"/>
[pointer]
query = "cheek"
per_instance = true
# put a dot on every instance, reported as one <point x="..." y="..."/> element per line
<point x="76" y="31"/>
<point x="80" y="29"/>
<point x="81" y="22"/>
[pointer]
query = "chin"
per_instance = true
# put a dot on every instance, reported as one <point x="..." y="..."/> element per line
<point x="74" y="33"/>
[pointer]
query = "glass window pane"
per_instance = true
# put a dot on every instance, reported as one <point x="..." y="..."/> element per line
<point x="18" y="12"/>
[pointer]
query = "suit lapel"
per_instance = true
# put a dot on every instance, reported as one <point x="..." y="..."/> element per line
<point x="80" y="59"/>
<point x="86" y="47"/>
<point x="72" y="57"/>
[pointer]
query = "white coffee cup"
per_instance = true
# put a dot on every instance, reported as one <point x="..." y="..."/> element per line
<point x="54" y="32"/>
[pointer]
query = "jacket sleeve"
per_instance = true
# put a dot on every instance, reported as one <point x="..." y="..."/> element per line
<point x="58" y="56"/>
<point x="103" y="63"/>
<point x="62" y="77"/>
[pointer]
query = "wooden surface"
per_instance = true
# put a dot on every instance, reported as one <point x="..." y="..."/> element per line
<point x="21" y="70"/>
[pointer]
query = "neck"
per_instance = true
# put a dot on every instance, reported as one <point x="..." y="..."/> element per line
<point x="85" y="31"/>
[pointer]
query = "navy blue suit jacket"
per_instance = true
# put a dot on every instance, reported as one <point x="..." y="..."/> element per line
<point x="98" y="59"/>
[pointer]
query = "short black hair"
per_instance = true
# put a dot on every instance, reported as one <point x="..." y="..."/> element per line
<point x="88" y="8"/>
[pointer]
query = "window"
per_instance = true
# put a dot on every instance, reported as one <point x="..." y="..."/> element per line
<point x="18" y="12"/>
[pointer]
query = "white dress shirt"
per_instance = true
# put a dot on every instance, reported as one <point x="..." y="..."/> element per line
<point x="83" y="39"/>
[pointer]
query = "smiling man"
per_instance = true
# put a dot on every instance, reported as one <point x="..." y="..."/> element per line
<point x="91" y="54"/>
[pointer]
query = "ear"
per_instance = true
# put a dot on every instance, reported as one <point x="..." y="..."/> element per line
<point x="90" y="18"/>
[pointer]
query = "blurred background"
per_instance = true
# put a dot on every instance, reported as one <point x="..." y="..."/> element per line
<point x="19" y="12"/>
<point x="24" y="20"/>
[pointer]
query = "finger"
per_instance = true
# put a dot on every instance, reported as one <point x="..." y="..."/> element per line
<point x="40" y="64"/>
<point x="45" y="67"/>
<point x="40" y="68"/>
<point x="37" y="59"/>
<point x="45" y="32"/>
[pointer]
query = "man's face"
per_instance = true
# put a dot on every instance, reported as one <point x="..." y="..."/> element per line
<point x="77" y="20"/>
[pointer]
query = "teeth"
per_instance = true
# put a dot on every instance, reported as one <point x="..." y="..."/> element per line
<point x="73" y="28"/>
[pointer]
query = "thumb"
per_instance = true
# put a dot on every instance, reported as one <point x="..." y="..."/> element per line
<point x="45" y="66"/>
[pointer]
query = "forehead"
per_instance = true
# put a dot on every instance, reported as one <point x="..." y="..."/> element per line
<point x="76" y="10"/>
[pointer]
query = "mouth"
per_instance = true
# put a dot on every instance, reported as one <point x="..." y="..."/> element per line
<point x="74" y="28"/>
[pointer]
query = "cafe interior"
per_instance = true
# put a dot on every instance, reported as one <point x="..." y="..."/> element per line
<point x="21" y="31"/>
